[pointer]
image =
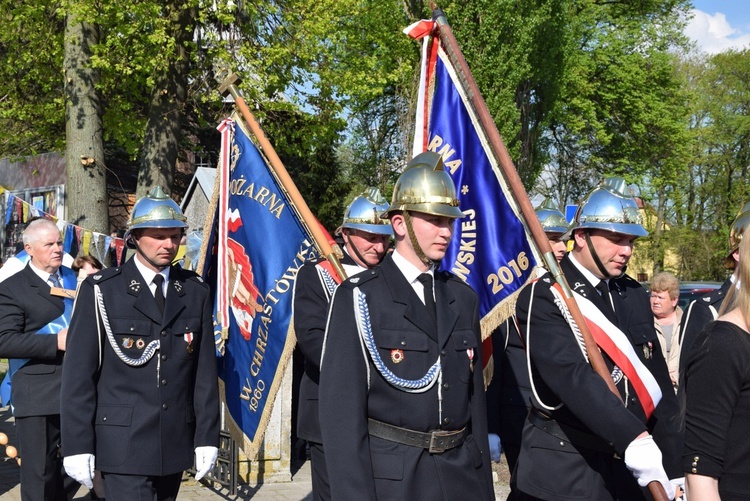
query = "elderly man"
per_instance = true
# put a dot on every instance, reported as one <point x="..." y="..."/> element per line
<point x="581" y="438"/>
<point x="402" y="406"/>
<point x="366" y="241"/>
<point x="665" y="291"/>
<point x="34" y="317"/>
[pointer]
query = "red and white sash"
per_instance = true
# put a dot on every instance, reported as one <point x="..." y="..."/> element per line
<point x="617" y="346"/>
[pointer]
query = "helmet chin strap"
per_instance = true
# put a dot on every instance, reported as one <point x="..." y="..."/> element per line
<point x="598" y="261"/>
<point x="414" y="243"/>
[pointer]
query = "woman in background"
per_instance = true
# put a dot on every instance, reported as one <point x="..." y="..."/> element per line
<point x="86" y="265"/>
<point x="716" y="457"/>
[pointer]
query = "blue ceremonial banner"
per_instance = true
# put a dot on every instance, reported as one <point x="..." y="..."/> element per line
<point x="261" y="245"/>
<point x="490" y="249"/>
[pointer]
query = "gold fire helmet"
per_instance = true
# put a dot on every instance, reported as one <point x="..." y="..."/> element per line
<point x="425" y="187"/>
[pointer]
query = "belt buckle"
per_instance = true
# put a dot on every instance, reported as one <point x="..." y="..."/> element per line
<point x="437" y="447"/>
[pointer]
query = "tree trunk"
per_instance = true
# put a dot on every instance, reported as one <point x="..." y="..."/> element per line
<point x="161" y="143"/>
<point x="87" y="203"/>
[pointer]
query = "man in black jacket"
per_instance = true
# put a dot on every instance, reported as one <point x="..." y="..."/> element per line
<point x="33" y="332"/>
<point x="402" y="405"/>
<point x="366" y="240"/>
<point x="140" y="380"/>
<point x="581" y="439"/>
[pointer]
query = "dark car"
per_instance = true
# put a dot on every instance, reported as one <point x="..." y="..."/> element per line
<point x="694" y="290"/>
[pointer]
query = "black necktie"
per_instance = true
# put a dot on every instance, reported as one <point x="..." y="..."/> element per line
<point x="159" y="292"/>
<point x="603" y="289"/>
<point x="55" y="280"/>
<point x="429" y="299"/>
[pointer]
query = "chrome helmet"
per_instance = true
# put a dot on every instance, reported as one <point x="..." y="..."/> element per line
<point x="735" y="234"/>
<point x="553" y="221"/>
<point x="155" y="210"/>
<point x="425" y="187"/>
<point x="364" y="212"/>
<point x="608" y="208"/>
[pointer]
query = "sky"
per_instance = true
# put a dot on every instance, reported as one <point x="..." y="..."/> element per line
<point x="718" y="25"/>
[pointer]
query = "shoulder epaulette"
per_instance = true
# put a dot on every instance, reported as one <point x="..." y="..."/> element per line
<point x="106" y="274"/>
<point x="363" y="277"/>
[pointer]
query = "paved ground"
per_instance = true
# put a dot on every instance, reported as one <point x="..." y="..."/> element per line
<point x="296" y="490"/>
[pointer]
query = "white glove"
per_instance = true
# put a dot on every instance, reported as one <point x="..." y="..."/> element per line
<point x="205" y="457"/>
<point x="643" y="458"/>
<point x="495" y="447"/>
<point x="80" y="468"/>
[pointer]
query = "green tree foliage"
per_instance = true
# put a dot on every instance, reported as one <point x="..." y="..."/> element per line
<point x="31" y="91"/>
<point x="714" y="187"/>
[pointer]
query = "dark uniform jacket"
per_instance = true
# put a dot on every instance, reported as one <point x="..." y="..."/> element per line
<point x="25" y="307"/>
<point x="143" y="420"/>
<point x="353" y="390"/>
<point x="698" y="314"/>
<point x="597" y="422"/>
<point x="311" y="301"/>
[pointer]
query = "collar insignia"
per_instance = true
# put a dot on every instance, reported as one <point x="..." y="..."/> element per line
<point x="135" y="286"/>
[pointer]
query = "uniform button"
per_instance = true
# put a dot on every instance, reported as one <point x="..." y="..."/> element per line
<point x="163" y="357"/>
<point x="446" y="420"/>
<point x="104" y="418"/>
<point x="694" y="470"/>
<point x="164" y="382"/>
<point x="633" y="399"/>
<point x="562" y="444"/>
<point x="403" y="343"/>
<point x="163" y="333"/>
<point x="442" y="353"/>
<point x="446" y="386"/>
<point x="465" y="342"/>
<point x="164" y="406"/>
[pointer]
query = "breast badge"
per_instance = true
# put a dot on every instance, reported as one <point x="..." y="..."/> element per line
<point x="127" y="342"/>
<point x="397" y="356"/>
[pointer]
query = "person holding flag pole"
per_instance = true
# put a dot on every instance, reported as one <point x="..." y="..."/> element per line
<point x="402" y="406"/>
<point x="486" y="132"/>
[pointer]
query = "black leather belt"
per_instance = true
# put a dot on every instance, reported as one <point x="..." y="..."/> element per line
<point x="568" y="433"/>
<point x="435" y="442"/>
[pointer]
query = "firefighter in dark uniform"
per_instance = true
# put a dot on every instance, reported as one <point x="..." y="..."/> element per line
<point x="706" y="308"/>
<point x="366" y="239"/>
<point x="402" y="404"/>
<point x="509" y="392"/>
<point x="580" y="440"/>
<point x="140" y="382"/>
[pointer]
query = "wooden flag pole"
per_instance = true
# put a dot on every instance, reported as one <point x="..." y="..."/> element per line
<point x="229" y="87"/>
